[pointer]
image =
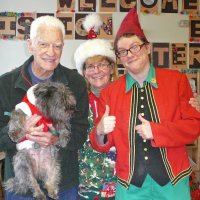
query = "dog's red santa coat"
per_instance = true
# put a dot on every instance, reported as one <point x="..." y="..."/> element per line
<point x="28" y="107"/>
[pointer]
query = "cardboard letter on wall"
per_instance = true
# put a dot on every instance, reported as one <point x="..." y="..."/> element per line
<point x="7" y="26"/>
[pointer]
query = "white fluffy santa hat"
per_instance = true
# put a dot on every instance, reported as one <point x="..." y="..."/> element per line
<point x="92" y="47"/>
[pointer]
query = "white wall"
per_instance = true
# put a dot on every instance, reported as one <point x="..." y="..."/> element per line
<point x="158" y="28"/>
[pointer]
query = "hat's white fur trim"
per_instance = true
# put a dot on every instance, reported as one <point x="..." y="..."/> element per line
<point x="92" y="48"/>
<point x="92" y="21"/>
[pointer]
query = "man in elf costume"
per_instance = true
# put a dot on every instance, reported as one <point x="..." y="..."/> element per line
<point x="146" y="115"/>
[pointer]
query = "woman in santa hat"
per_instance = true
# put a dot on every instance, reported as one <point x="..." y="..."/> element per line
<point x="95" y="59"/>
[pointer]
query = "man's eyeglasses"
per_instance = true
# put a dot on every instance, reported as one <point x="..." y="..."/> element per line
<point x="100" y="66"/>
<point x="133" y="49"/>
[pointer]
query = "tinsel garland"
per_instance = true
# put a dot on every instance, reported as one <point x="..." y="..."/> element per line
<point x="15" y="14"/>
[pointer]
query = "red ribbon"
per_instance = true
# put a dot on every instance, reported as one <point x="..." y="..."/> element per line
<point x="91" y="34"/>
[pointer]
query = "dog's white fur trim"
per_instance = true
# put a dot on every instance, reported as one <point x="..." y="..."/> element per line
<point x="24" y="107"/>
<point x="92" y="48"/>
<point x="30" y="94"/>
<point x="26" y="144"/>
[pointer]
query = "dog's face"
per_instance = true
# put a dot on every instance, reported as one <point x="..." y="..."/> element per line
<point x="55" y="100"/>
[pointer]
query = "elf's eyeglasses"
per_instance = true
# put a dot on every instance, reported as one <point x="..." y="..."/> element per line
<point x="133" y="49"/>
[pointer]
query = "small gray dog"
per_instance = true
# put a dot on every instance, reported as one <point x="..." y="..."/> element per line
<point x="56" y="104"/>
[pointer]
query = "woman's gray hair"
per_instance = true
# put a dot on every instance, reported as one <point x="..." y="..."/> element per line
<point x="47" y="20"/>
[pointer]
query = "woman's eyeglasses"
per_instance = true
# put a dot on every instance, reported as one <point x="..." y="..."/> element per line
<point x="100" y="66"/>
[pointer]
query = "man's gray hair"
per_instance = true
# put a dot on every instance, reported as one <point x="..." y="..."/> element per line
<point x="50" y="21"/>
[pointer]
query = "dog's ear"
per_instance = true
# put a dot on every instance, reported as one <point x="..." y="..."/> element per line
<point x="70" y="100"/>
<point x="44" y="93"/>
<point x="16" y="125"/>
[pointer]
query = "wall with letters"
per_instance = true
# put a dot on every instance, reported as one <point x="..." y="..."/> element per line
<point x="166" y="30"/>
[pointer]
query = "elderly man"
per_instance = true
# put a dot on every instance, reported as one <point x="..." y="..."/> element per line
<point x="46" y="45"/>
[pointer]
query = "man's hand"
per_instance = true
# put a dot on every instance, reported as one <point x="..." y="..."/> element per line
<point x="144" y="129"/>
<point x="195" y="102"/>
<point x="36" y="133"/>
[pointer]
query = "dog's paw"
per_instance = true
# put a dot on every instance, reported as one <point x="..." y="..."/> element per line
<point x="63" y="143"/>
<point x="63" y="140"/>
<point x="53" y="196"/>
<point x="40" y="197"/>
